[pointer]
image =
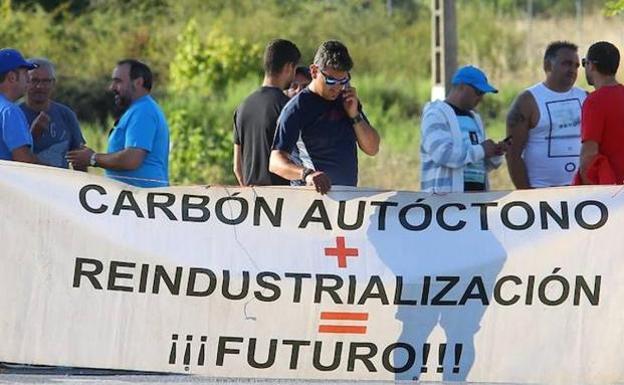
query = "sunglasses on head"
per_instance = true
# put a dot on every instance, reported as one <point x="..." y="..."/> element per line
<point x="585" y="60"/>
<point x="332" y="81"/>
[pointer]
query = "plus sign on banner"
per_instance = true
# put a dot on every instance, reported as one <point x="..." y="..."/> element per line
<point x="341" y="252"/>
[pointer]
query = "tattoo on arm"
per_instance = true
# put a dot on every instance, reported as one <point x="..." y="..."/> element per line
<point x="515" y="117"/>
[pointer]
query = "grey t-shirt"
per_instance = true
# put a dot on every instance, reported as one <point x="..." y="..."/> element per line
<point x="62" y="134"/>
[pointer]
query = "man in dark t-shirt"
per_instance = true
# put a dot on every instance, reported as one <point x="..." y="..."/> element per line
<point x="255" y="119"/>
<point x="318" y="130"/>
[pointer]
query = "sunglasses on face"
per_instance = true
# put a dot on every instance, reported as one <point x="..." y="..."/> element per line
<point x="584" y="62"/>
<point x="332" y="81"/>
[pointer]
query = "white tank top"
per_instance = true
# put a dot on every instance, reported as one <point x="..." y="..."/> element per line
<point x="552" y="151"/>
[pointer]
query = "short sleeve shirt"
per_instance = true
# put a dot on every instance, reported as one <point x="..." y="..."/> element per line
<point x="14" y="130"/>
<point x="143" y="126"/>
<point x="318" y="134"/>
<point x="255" y="121"/>
<point x="62" y="134"/>
<point x="603" y="122"/>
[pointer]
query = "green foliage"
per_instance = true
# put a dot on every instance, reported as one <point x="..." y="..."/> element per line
<point x="198" y="108"/>
<point x="206" y="67"/>
<point x="614" y="7"/>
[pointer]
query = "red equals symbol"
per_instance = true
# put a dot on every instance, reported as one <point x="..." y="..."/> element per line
<point x="342" y="328"/>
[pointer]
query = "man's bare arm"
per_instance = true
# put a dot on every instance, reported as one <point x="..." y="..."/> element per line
<point x="520" y="120"/>
<point x="238" y="164"/>
<point x="589" y="150"/>
<point x="24" y="154"/>
<point x="280" y="164"/>
<point x="367" y="137"/>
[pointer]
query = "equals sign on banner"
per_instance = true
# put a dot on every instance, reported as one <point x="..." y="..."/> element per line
<point x="344" y="322"/>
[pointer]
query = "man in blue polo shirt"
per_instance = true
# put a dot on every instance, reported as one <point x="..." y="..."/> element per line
<point x="138" y="146"/>
<point x="15" y="138"/>
<point x="317" y="131"/>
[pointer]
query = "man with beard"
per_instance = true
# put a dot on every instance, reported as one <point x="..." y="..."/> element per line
<point x="256" y="117"/>
<point x="544" y="123"/>
<point x="53" y="125"/>
<point x="602" y="132"/>
<point x="138" y="146"/>
<point x="318" y="130"/>
<point x="15" y="138"/>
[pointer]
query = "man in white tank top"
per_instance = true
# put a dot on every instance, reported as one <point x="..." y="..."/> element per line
<point x="544" y="123"/>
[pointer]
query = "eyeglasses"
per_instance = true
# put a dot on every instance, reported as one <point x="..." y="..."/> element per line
<point x="43" y="82"/>
<point x="584" y="62"/>
<point x="332" y="81"/>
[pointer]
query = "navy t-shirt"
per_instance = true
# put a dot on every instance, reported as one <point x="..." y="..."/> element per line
<point x="319" y="135"/>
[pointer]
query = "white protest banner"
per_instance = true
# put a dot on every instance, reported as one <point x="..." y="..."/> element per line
<point x="516" y="287"/>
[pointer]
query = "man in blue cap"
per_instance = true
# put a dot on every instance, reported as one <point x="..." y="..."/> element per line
<point x="15" y="138"/>
<point x="455" y="154"/>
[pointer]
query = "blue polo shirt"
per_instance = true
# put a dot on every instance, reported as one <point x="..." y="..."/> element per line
<point x="319" y="135"/>
<point x="14" y="130"/>
<point x="143" y="126"/>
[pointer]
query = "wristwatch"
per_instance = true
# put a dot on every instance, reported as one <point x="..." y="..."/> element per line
<point x="306" y="171"/>
<point x="92" y="161"/>
<point x="358" y="118"/>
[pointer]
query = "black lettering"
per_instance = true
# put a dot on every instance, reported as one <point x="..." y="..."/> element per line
<point x="261" y="279"/>
<point x="364" y="357"/>
<point x="222" y="348"/>
<point x="187" y="206"/>
<point x="342" y="208"/>
<point x="160" y="274"/>
<point x="191" y="291"/>
<point x="251" y="353"/>
<point x="530" y="215"/>
<point x="438" y="299"/>
<point x="113" y="275"/>
<point x="330" y="289"/>
<point x="316" y="360"/>
<point x="131" y="205"/>
<point x="152" y="205"/>
<point x="82" y="196"/>
<point x="321" y="218"/>
<point x="225" y="289"/>
<point x="79" y="271"/>
<point x="374" y="283"/>
<point x="275" y="217"/>
<point x="381" y="217"/>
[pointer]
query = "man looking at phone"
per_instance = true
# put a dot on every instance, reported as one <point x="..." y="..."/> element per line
<point x="455" y="155"/>
<point x="317" y="131"/>
<point x="545" y="121"/>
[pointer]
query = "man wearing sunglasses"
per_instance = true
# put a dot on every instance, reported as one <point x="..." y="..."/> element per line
<point x="455" y="155"/>
<point x="602" y="130"/>
<point x="545" y="122"/>
<point x="319" y="130"/>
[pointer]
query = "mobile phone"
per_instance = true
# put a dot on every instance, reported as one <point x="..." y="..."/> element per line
<point x="507" y="140"/>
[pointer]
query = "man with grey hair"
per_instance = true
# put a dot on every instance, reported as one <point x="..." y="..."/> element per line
<point x="318" y="130"/>
<point x="54" y="126"/>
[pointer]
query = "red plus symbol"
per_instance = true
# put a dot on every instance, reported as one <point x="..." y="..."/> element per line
<point x="341" y="252"/>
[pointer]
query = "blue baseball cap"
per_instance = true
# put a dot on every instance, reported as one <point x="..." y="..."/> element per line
<point x="473" y="76"/>
<point x="11" y="59"/>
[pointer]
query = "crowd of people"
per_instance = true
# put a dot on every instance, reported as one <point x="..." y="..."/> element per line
<point x="304" y="125"/>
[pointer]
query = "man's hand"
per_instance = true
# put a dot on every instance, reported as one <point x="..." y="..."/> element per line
<point x="80" y="157"/>
<point x="320" y="181"/>
<point x="492" y="149"/>
<point x="350" y="102"/>
<point x="41" y="123"/>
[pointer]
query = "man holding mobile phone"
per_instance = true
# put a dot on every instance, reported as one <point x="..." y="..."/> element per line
<point x="318" y="130"/>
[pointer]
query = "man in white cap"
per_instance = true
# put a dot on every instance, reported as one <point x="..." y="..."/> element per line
<point x="15" y="138"/>
<point x="455" y="154"/>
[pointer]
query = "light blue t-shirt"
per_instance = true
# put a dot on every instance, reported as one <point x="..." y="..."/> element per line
<point x="14" y="131"/>
<point x="62" y="134"/>
<point x="143" y="126"/>
<point x="473" y="172"/>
